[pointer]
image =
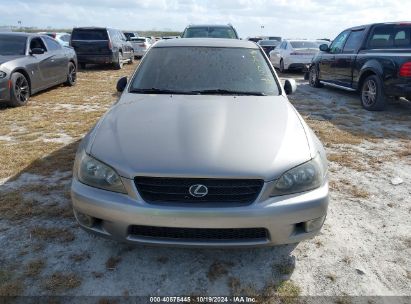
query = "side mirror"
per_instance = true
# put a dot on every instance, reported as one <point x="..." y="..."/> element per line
<point x="36" y="51"/>
<point x="290" y="86"/>
<point x="324" y="47"/>
<point x="121" y="84"/>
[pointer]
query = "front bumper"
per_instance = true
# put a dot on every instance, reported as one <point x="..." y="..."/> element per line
<point x="280" y="216"/>
<point x="297" y="62"/>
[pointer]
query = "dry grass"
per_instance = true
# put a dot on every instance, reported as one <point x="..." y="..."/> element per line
<point x="34" y="268"/>
<point x="347" y="160"/>
<point x="11" y="289"/>
<point x="286" y="292"/>
<point x="358" y="192"/>
<point x="330" y="134"/>
<point x="59" y="282"/>
<point x="218" y="269"/>
<point x="345" y="186"/>
<point x="14" y="206"/>
<point x="53" y="234"/>
<point x="79" y="257"/>
<point x="68" y="111"/>
<point x="112" y="263"/>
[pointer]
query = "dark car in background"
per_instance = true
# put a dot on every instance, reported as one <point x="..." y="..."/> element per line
<point x="210" y="31"/>
<point x="130" y="35"/>
<point x="374" y="60"/>
<point x="268" y="45"/>
<point x="98" y="45"/>
<point x="30" y="63"/>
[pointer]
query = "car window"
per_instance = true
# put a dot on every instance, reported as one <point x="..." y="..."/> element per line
<point x="89" y="34"/>
<point x="353" y="42"/>
<point x="210" y="32"/>
<point x="129" y="35"/>
<point x="52" y="44"/>
<point x="390" y="36"/>
<point x="37" y="43"/>
<point x="304" y="45"/>
<point x="338" y="44"/>
<point x="65" y="38"/>
<point x="205" y="68"/>
<point x="12" y="45"/>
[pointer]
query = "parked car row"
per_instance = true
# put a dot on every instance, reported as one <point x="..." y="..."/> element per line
<point x="374" y="59"/>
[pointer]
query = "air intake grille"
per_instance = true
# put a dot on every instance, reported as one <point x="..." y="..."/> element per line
<point x="165" y="190"/>
<point x="200" y="234"/>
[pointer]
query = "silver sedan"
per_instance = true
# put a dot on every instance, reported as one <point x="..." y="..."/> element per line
<point x="202" y="149"/>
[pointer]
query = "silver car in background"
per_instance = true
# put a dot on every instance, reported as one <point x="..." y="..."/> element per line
<point x="294" y="54"/>
<point x="140" y="45"/>
<point x="203" y="148"/>
<point x="30" y="63"/>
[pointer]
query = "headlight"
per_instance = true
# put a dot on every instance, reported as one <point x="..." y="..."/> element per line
<point x="96" y="174"/>
<point x="305" y="177"/>
<point x="2" y="74"/>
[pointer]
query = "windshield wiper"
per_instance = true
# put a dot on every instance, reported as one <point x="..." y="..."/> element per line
<point x="158" y="91"/>
<point x="227" y="92"/>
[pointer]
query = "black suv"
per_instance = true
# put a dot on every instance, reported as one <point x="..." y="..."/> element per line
<point x="373" y="59"/>
<point x="210" y="31"/>
<point x="101" y="46"/>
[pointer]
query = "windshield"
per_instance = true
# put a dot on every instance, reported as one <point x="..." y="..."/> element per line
<point x="12" y="45"/>
<point x="268" y="42"/>
<point x="304" y="44"/>
<point x="210" y="32"/>
<point x="200" y="69"/>
<point x="89" y="34"/>
<point x="129" y="35"/>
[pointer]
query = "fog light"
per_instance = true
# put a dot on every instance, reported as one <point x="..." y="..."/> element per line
<point x="85" y="219"/>
<point x="314" y="224"/>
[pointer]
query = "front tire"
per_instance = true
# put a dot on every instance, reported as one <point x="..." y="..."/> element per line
<point x="313" y="78"/>
<point x="19" y="91"/>
<point x="372" y="94"/>
<point x="71" y="75"/>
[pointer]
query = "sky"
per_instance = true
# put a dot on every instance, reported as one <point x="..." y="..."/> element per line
<point x="285" y="18"/>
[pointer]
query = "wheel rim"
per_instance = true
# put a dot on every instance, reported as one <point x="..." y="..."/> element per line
<point x="21" y="88"/>
<point x="369" y="92"/>
<point x="72" y="74"/>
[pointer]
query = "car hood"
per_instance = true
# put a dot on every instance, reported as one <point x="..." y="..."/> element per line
<point x="201" y="136"/>
<point x="7" y="58"/>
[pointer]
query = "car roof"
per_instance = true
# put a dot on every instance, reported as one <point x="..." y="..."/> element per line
<point x="360" y="27"/>
<point x="206" y="42"/>
<point x="210" y="25"/>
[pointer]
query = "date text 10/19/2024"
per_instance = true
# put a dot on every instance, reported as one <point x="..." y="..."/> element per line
<point x="201" y="299"/>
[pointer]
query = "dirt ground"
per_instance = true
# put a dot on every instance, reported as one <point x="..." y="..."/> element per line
<point x="363" y="249"/>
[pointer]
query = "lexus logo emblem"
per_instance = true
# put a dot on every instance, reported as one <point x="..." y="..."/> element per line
<point x="198" y="190"/>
